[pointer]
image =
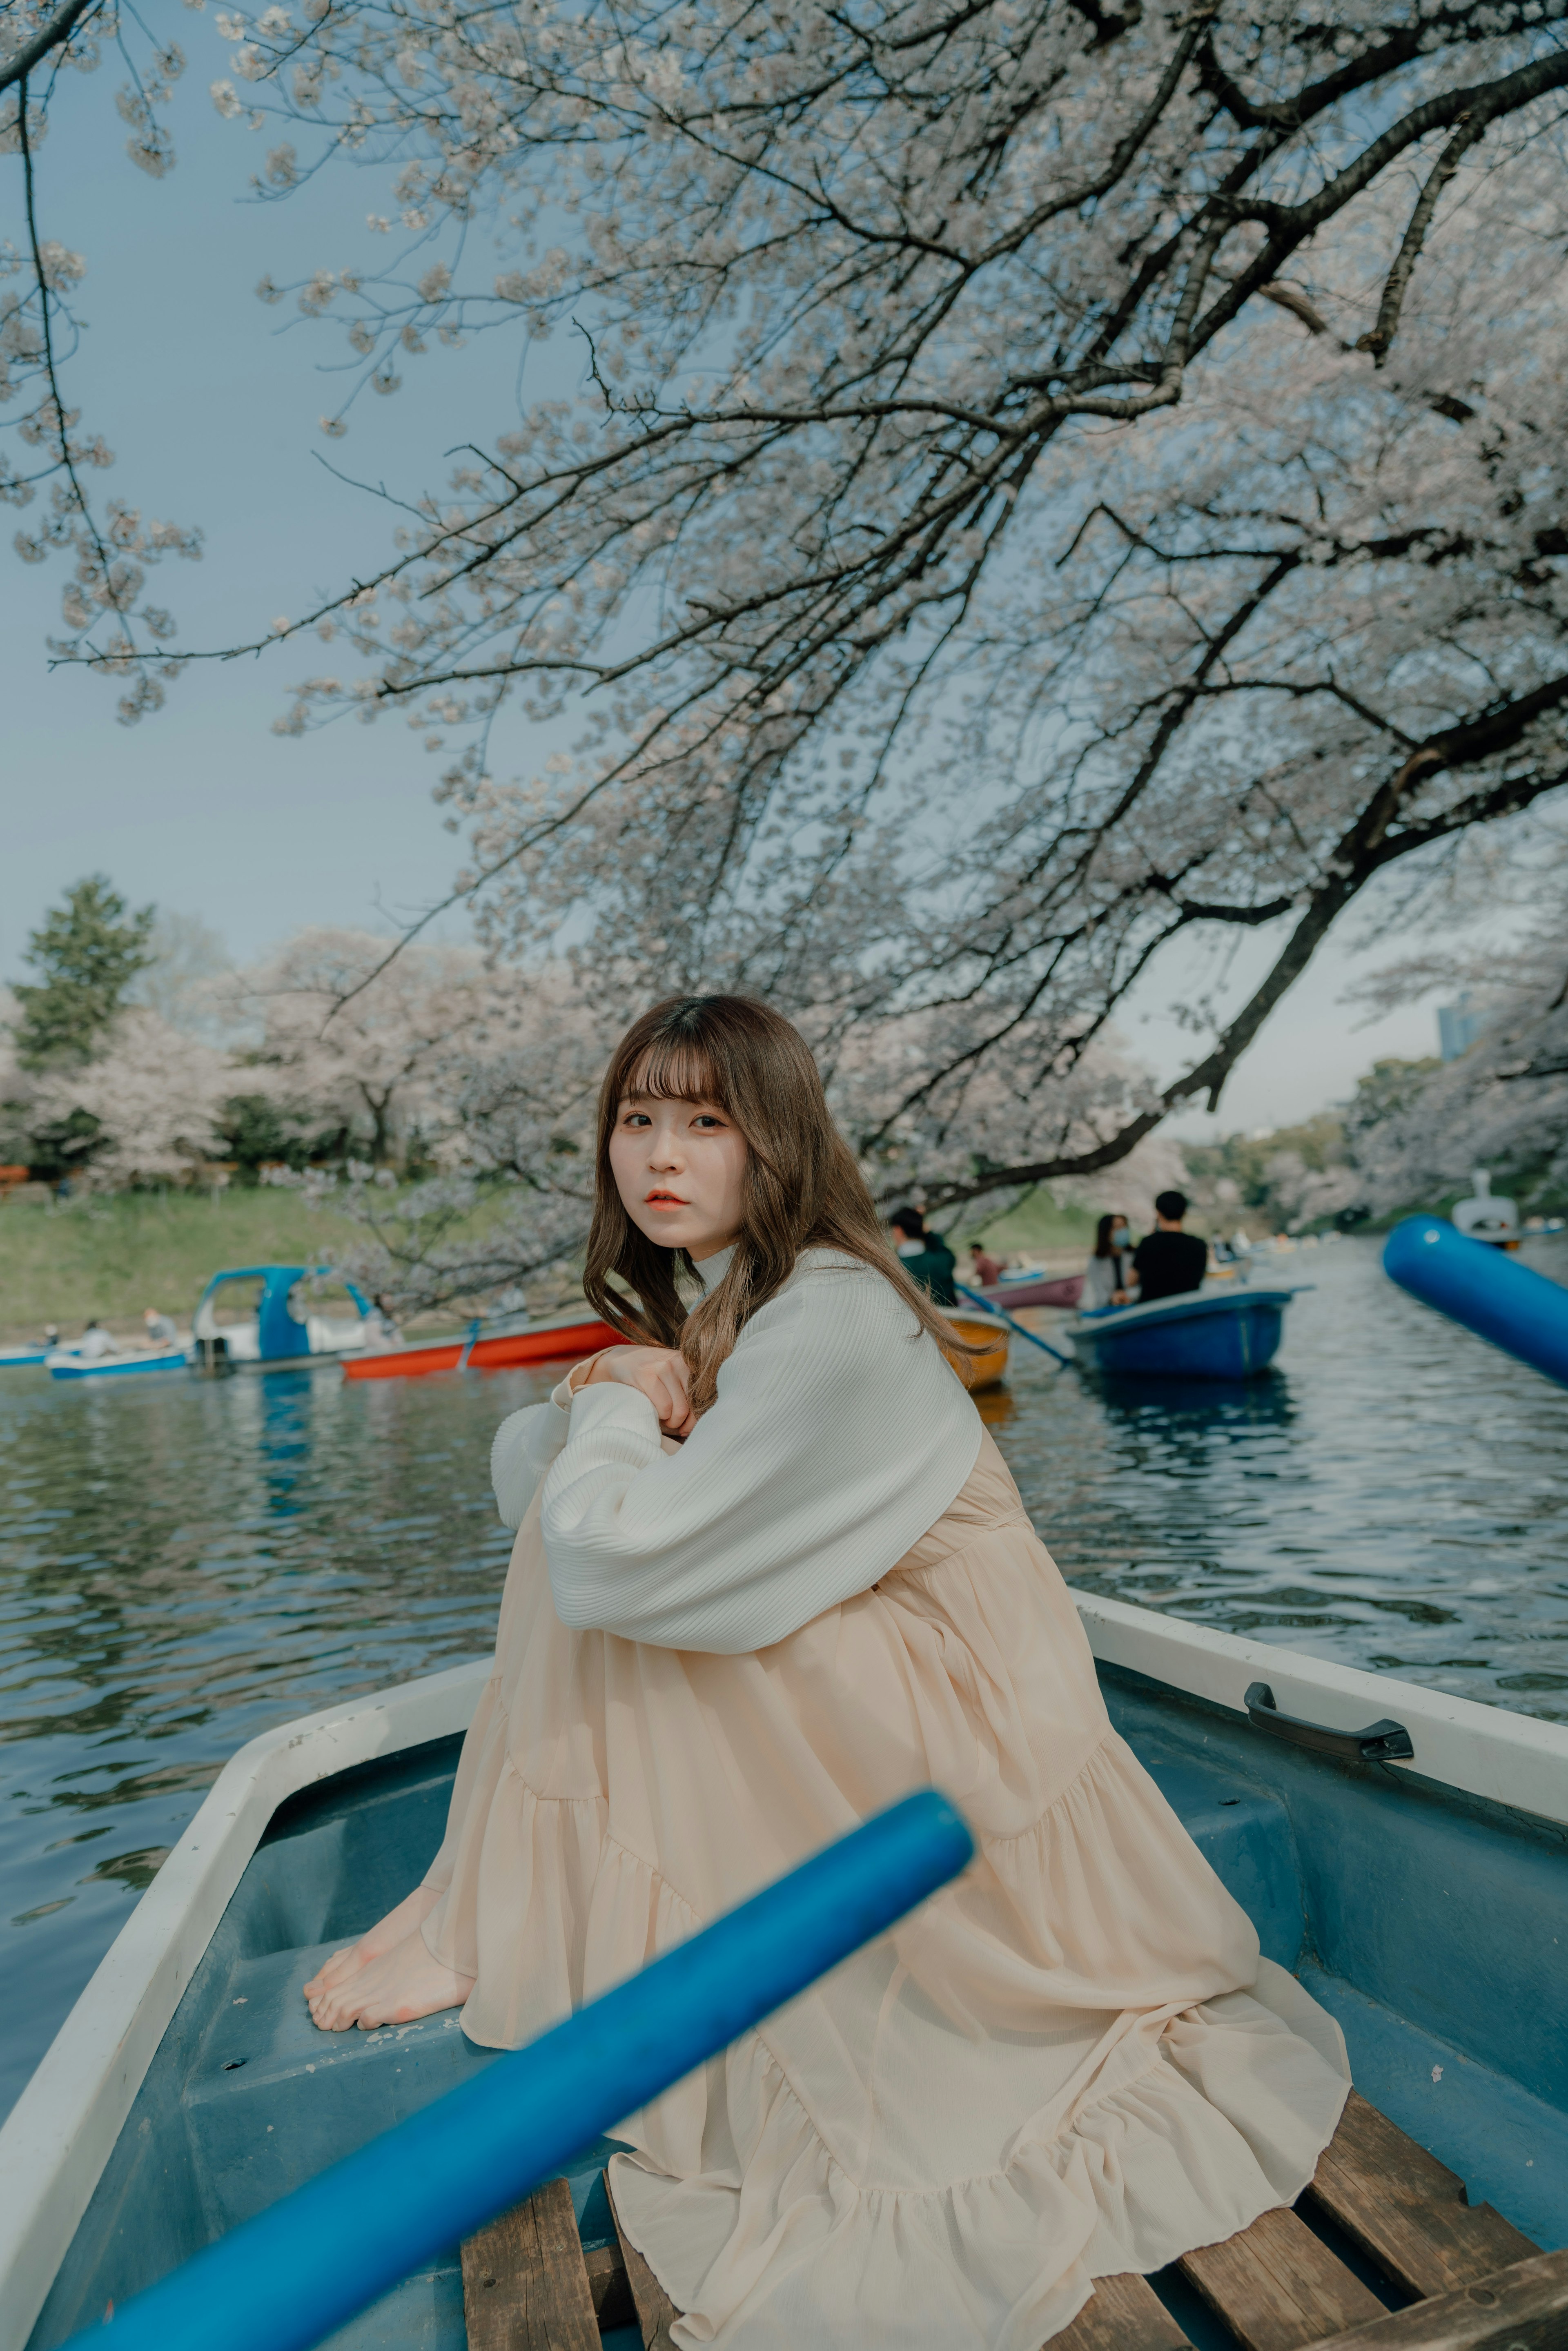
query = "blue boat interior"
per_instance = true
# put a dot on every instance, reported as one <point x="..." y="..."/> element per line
<point x="1433" y="1926"/>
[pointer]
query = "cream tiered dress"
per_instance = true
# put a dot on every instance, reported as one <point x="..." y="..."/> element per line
<point x="1071" y="2062"/>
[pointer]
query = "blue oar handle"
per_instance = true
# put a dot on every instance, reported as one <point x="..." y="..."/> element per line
<point x="1487" y="1290"/>
<point x="988" y="1306"/>
<point x="296" y="2273"/>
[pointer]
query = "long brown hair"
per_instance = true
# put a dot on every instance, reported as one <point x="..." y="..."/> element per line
<point x="1102" y="1234"/>
<point x="802" y="1187"/>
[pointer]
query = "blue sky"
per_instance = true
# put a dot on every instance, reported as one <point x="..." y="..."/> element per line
<point x="211" y="400"/>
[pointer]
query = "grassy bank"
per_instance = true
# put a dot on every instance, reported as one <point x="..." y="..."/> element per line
<point x="108" y="1257"/>
<point x="111" y="1257"/>
<point x="1036" y="1226"/>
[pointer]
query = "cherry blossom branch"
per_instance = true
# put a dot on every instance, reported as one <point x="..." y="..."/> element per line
<point x="50" y="36"/>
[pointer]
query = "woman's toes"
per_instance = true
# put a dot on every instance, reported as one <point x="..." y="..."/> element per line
<point x="333" y="1972"/>
<point x="401" y="1985"/>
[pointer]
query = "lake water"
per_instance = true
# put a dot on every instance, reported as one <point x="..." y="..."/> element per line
<point x="184" y="1563"/>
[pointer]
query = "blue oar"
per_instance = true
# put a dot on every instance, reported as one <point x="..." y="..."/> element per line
<point x="298" y="2271"/>
<point x="986" y="1307"/>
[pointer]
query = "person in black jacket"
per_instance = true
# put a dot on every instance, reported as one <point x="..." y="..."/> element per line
<point x="925" y="1256"/>
<point x="1167" y="1261"/>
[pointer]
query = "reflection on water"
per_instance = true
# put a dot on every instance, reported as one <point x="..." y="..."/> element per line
<point x="184" y="1563"/>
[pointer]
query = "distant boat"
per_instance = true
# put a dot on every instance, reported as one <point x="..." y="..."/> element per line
<point x="281" y="1335"/>
<point x="1199" y="1336"/>
<point x="981" y="1370"/>
<point x="1487" y="1216"/>
<point x="1033" y="1288"/>
<point x="9" y="1355"/>
<point x="553" y="1343"/>
<point x="66" y="1363"/>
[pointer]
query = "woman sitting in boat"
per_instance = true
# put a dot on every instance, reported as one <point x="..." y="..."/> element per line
<point x="924" y="1255"/>
<point x="1108" y="1278"/>
<point x="771" y="1574"/>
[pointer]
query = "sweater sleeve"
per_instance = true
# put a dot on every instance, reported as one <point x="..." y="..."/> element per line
<point x="526" y="1444"/>
<point x="839" y="1434"/>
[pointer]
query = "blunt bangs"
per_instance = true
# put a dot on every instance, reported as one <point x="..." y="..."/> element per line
<point x="674" y="1069"/>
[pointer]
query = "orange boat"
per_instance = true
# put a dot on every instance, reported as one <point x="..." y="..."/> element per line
<point x="574" y="1339"/>
<point x="500" y="1354"/>
<point x="981" y="1370"/>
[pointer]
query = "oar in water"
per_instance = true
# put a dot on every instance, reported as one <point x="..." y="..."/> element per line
<point x="1002" y="1315"/>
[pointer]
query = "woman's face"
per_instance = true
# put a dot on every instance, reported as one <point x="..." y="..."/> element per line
<point x="679" y="1169"/>
<point x="1119" y="1234"/>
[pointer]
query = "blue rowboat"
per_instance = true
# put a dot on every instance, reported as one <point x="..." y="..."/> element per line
<point x="1400" y="1850"/>
<point x="11" y="1356"/>
<point x="68" y="1365"/>
<point x="1231" y="1334"/>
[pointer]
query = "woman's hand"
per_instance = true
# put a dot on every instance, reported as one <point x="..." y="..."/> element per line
<point x="660" y="1373"/>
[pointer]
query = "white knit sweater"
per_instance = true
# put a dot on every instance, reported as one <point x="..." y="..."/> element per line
<point x="840" y="1434"/>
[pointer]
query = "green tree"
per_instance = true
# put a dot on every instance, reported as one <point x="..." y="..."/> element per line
<point x="87" y="952"/>
<point x="256" y="1130"/>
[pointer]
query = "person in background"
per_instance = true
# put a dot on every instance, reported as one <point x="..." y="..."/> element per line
<point x="1108" y="1276"/>
<point x="381" y="1325"/>
<point x="1167" y="1261"/>
<point x="160" y="1331"/>
<point x="95" y="1342"/>
<point x="984" y="1269"/>
<point x="926" y="1256"/>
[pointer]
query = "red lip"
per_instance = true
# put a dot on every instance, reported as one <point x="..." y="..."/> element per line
<point x="664" y="1200"/>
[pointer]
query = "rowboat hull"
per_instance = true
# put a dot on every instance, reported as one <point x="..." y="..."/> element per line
<point x="983" y="1371"/>
<point x="1036" y="1290"/>
<point x="110" y="1367"/>
<point x="188" y="2090"/>
<point x="557" y="1344"/>
<point x="1233" y="1336"/>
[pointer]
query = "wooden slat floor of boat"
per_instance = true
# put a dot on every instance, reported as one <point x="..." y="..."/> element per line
<point x="1478" y="2283"/>
<point x="1522" y="2308"/>
<point x="1122" y="2314"/>
<point x="1406" y="2210"/>
<point x="525" y="2282"/>
<point x="1277" y="2287"/>
<point x="656" y="2313"/>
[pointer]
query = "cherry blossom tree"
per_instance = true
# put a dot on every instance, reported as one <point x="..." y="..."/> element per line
<point x="143" y="1109"/>
<point x="1044" y="483"/>
<point x="111" y="549"/>
<point x="515" y="1196"/>
<point x="1501" y="1105"/>
<point x="377" y="1049"/>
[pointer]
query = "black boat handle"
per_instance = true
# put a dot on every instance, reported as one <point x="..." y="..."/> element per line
<point x="1380" y="1742"/>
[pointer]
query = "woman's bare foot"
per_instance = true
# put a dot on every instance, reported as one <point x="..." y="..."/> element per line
<point x="406" y="1919"/>
<point x="393" y="1989"/>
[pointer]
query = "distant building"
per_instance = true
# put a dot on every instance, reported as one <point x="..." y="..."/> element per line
<point x="1459" y="1026"/>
